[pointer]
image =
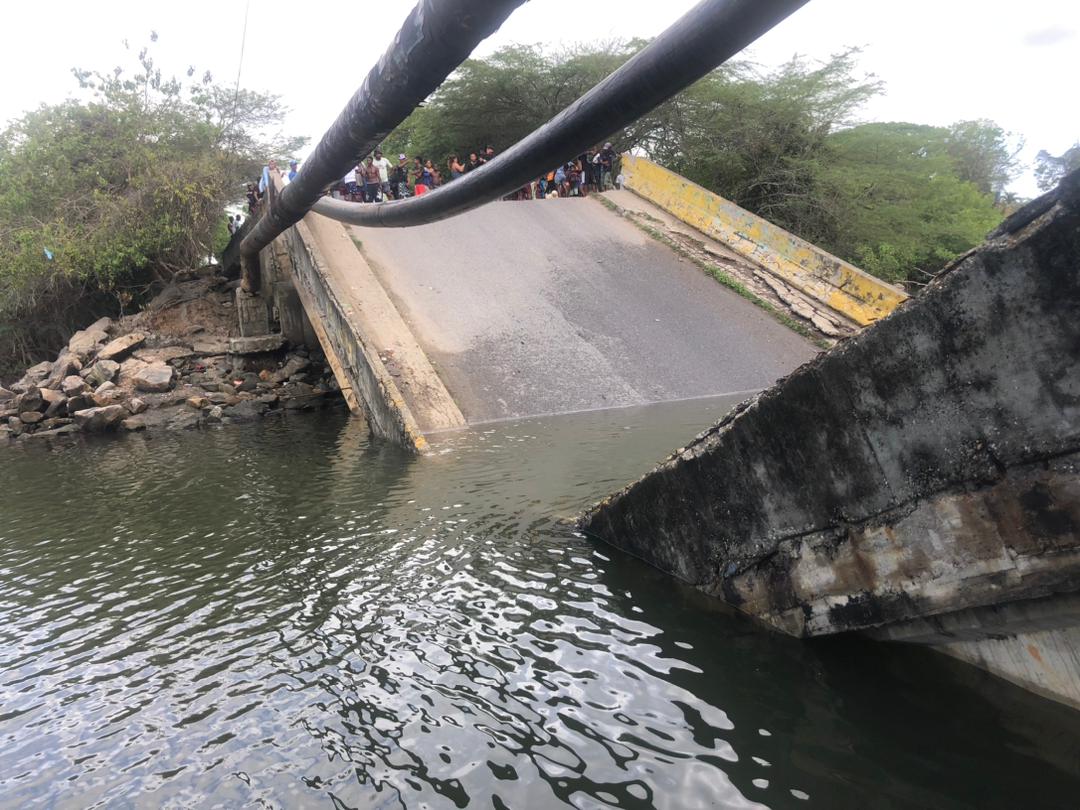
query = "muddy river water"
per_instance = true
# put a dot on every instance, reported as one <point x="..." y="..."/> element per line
<point x="292" y="615"/>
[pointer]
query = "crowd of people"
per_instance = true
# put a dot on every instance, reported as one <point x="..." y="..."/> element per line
<point x="377" y="179"/>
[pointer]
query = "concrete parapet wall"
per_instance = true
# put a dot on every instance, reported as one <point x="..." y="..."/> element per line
<point x="827" y="279"/>
<point x="930" y="464"/>
<point x="346" y="347"/>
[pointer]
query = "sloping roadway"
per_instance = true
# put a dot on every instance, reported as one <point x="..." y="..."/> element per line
<point x="555" y="306"/>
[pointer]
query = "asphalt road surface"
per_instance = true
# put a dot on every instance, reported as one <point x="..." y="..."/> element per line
<point x="555" y="306"/>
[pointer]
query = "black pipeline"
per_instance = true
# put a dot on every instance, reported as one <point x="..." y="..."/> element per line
<point x="703" y="38"/>
<point x="432" y="42"/>
<point x="436" y="37"/>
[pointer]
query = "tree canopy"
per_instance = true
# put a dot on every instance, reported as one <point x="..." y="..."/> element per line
<point x="1049" y="169"/>
<point x="100" y="197"/>
<point x="899" y="199"/>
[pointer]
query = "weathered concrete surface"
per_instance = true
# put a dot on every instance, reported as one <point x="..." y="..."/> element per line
<point x="811" y="313"/>
<point x="361" y="331"/>
<point x="1034" y="643"/>
<point x="926" y="466"/>
<point x="554" y="306"/>
<point x="825" y="278"/>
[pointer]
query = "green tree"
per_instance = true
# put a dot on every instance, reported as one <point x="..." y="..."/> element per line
<point x="502" y="98"/>
<point x="984" y="154"/>
<point x="902" y="210"/>
<point x="899" y="199"/>
<point x="1049" y="169"/>
<point x="759" y="139"/>
<point x="101" y="199"/>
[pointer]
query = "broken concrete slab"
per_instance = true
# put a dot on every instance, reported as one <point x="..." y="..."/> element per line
<point x="120" y="347"/>
<point x="256" y="344"/>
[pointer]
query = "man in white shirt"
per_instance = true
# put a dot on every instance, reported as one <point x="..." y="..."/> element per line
<point x="350" y="184"/>
<point x="384" y="173"/>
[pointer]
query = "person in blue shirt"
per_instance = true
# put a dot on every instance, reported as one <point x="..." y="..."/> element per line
<point x="292" y="170"/>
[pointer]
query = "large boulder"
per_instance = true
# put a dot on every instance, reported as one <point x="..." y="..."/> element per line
<point x="295" y="365"/>
<point x="98" y="419"/>
<point x="128" y="369"/>
<point x="247" y="411"/>
<point x="35" y="375"/>
<point x="55" y="402"/>
<point x="73" y="385"/>
<point x="60" y="430"/>
<point x="102" y="371"/>
<point x="30" y="417"/>
<point x="30" y="400"/>
<point x="85" y="342"/>
<point x="55" y="422"/>
<point x="66" y="364"/>
<point x="121" y="346"/>
<point x="156" y="377"/>
<point x="80" y="402"/>
<point x="108" y="394"/>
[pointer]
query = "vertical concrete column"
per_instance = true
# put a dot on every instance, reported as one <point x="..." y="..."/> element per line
<point x="291" y="315"/>
<point x="253" y="314"/>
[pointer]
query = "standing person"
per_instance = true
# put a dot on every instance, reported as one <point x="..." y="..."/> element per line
<point x="560" y="180"/>
<point x="372" y="185"/>
<point x="292" y="170"/>
<point x="269" y="170"/>
<point x="474" y="162"/>
<point x="432" y="174"/>
<point x="573" y="177"/>
<point x="583" y="166"/>
<point x="399" y="178"/>
<point x="350" y="184"/>
<point x="419" y="186"/>
<point x="456" y="169"/>
<point x="252" y="198"/>
<point x="384" y="173"/>
<point x="230" y="223"/>
<point x="607" y="160"/>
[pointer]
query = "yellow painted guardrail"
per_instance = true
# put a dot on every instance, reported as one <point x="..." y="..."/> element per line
<point x="835" y="283"/>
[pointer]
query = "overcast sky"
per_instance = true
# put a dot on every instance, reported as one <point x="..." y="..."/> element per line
<point x="942" y="60"/>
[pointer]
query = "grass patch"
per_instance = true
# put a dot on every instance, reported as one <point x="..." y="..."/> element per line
<point x="721" y="276"/>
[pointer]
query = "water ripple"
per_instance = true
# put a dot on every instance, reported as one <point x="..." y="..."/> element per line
<point x="291" y="615"/>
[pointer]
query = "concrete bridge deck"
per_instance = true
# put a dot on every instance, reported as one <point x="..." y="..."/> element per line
<point x="551" y="306"/>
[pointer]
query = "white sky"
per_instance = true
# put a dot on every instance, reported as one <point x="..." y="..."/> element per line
<point x="942" y="60"/>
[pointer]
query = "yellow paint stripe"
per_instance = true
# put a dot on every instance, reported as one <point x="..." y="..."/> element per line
<point x="825" y="278"/>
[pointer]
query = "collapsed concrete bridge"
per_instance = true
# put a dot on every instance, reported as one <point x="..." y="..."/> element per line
<point x="918" y="482"/>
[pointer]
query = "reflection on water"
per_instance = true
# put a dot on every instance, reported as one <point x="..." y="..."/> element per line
<point x="294" y="616"/>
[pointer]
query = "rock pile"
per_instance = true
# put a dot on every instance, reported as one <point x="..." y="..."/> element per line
<point x="109" y="378"/>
